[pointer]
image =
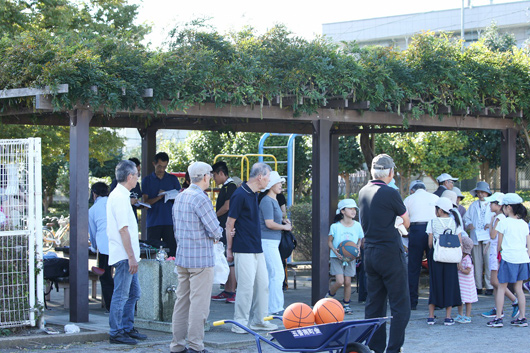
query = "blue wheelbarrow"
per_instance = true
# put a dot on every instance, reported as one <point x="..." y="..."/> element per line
<point x="339" y="337"/>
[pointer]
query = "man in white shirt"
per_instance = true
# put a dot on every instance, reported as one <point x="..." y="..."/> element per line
<point x="421" y="208"/>
<point x="124" y="254"/>
<point x="477" y="221"/>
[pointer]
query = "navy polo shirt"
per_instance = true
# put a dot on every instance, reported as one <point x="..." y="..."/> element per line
<point x="379" y="204"/>
<point x="244" y="208"/>
<point x="160" y="212"/>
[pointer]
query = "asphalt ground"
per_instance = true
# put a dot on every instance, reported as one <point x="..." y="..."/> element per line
<point x="420" y="337"/>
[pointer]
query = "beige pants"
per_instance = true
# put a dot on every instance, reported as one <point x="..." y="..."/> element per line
<point x="252" y="296"/>
<point x="191" y="307"/>
<point x="482" y="266"/>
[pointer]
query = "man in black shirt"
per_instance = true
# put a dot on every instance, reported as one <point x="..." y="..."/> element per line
<point x="385" y="264"/>
<point x="222" y="205"/>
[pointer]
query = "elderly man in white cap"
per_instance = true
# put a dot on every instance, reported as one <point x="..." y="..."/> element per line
<point x="196" y="229"/>
<point x="421" y="208"/>
<point x="384" y="259"/>
<point x="477" y="222"/>
<point x="445" y="182"/>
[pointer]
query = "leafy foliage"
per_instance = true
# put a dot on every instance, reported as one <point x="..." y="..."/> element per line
<point x="243" y="68"/>
<point x="104" y="148"/>
<point x="205" y="145"/>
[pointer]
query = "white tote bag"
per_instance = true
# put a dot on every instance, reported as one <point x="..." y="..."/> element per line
<point x="221" y="270"/>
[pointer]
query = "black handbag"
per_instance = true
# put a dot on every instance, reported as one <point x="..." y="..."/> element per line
<point x="287" y="244"/>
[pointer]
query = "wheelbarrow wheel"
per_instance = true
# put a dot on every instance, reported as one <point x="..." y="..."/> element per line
<point x="356" y="347"/>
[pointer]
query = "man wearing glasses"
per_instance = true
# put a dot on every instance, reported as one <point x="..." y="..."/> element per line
<point x="445" y="182"/>
<point x="124" y="255"/>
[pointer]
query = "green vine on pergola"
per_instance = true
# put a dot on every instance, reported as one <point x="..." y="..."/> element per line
<point x="245" y="68"/>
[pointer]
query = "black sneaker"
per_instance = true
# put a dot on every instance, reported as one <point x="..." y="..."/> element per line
<point x="194" y="351"/>
<point x="122" y="338"/>
<point x="136" y="335"/>
<point x="520" y="322"/>
<point x="495" y="323"/>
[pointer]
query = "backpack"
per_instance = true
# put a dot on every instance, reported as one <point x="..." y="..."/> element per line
<point x="56" y="268"/>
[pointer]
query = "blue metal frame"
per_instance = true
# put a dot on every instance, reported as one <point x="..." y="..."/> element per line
<point x="290" y="161"/>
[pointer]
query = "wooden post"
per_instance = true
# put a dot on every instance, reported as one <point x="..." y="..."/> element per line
<point x="148" y="153"/>
<point x="321" y="185"/>
<point x="508" y="167"/>
<point x="79" y="135"/>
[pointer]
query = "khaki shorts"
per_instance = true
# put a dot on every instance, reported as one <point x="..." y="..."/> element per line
<point x="336" y="267"/>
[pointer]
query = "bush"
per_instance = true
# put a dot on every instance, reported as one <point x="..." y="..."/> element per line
<point x="302" y="230"/>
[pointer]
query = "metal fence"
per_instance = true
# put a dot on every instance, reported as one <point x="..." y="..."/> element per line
<point x="357" y="181"/>
<point x="20" y="232"/>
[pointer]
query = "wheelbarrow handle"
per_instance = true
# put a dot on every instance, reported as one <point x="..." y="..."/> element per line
<point x="219" y="323"/>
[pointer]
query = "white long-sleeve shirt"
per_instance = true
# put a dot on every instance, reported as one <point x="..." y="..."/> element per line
<point x="479" y="214"/>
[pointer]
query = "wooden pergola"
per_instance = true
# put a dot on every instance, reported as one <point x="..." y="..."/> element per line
<point x="339" y="117"/>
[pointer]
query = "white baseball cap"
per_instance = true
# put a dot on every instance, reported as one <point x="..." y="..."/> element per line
<point x="444" y="203"/>
<point x="511" y="199"/>
<point x="496" y="197"/>
<point x="199" y="169"/>
<point x="444" y="176"/>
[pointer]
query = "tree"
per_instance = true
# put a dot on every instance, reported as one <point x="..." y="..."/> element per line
<point x="92" y="17"/>
<point x="205" y="145"/>
<point x="104" y="146"/>
<point x="496" y="41"/>
<point x="350" y="159"/>
<point x="429" y="153"/>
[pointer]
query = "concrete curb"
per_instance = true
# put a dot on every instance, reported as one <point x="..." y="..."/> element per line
<point x="45" y="339"/>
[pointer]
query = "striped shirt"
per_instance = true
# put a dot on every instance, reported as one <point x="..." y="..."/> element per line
<point x="196" y="227"/>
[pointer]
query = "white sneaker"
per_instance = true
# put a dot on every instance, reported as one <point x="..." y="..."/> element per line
<point x="237" y="329"/>
<point x="526" y="286"/>
<point x="266" y="326"/>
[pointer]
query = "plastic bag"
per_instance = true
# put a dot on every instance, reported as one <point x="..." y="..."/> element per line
<point x="71" y="328"/>
<point x="221" y="270"/>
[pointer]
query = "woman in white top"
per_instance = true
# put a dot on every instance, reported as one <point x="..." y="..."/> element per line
<point x="498" y="216"/>
<point x="514" y="246"/>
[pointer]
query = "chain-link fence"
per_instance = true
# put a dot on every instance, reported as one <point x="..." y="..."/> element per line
<point x="20" y="222"/>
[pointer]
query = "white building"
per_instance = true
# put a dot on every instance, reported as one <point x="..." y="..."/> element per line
<point x="510" y="17"/>
<point x="133" y="141"/>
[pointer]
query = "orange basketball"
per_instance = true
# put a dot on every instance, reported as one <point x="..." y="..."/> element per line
<point x="298" y="315"/>
<point x="328" y="310"/>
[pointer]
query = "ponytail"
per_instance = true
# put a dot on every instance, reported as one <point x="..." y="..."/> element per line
<point x="456" y="215"/>
<point x="519" y="210"/>
<point x="338" y="217"/>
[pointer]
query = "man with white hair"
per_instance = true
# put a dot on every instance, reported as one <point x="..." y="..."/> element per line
<point x="124" y="255"/>
<point x="421" y="209"/>
<point x="385" y="264"/>
<point x="196" y="229"/>
<point x="244" y="248"/>
<point x="445" y="182"/>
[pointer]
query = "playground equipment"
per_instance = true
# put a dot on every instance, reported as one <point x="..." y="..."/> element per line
<point x="290" y="160"/>
<point x="244" y="158"/>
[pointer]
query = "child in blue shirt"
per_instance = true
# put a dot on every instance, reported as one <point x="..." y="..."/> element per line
<point x="344" y="227"/>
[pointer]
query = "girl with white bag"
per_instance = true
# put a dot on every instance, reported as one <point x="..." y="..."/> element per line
<point x="443" y="278"/>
